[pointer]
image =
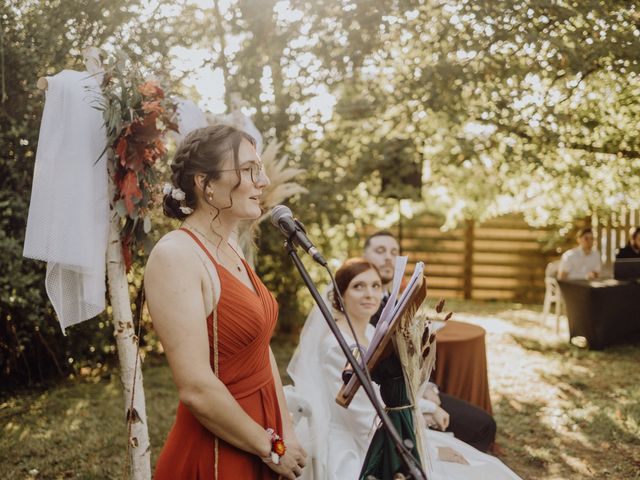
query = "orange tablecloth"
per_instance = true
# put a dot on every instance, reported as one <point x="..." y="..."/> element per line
<point x="461" y="363"/>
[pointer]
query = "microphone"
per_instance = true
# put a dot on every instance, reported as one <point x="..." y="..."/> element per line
<point x="282" y="218"/>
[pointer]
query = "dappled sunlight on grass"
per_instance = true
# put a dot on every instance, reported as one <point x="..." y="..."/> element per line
<point x="562" y="412"/>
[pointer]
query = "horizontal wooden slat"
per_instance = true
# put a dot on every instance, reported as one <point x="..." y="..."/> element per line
<point x="436" y="293"/>
<point x="428" y="233"/>
<point x="508" y="270"/>
<point x="506" y="245"/>
<point x="506" y="282"/>
<point x="527" y="258"/>
<point x="445" y="282"/>
<point x="436" y="257"/>
<point x="492" y="294"/>
<point x="446" y="269"/>
<point x="502" y="233"/>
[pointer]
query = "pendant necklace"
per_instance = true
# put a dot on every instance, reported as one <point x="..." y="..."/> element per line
<point x="237" y="265"/>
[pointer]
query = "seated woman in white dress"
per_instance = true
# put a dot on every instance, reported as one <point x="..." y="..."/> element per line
<point x="336" y="438"/>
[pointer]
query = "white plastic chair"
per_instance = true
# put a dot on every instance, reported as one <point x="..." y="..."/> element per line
<point x="301" y="415"/>
<point x="552" y="294"/>
<point x="297" y="405"/>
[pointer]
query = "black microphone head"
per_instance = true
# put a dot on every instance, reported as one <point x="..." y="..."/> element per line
<point x="278" y="213"/>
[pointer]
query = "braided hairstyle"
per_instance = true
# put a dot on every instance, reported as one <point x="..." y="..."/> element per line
<point x="203" y="151"/>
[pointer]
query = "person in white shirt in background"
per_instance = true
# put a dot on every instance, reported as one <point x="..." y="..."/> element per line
<point x="582" y="262"/>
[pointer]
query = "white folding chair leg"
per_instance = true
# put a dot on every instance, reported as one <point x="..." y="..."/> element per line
<point x="546" y="307"/>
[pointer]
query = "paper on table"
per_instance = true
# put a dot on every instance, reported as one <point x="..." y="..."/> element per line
<point x="448" y="454"/>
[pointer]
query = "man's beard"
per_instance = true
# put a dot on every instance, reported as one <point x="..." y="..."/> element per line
<point x="386" y="280"/>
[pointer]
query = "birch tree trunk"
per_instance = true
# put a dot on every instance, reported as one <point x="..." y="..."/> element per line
<point x="128" y="356"/>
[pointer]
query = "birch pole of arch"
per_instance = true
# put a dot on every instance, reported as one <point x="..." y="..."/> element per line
<point x="138" y="459"/>
<point x="138" y="445"/>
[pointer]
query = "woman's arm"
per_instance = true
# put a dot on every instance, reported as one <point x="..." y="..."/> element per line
<point x="174" y="289"/>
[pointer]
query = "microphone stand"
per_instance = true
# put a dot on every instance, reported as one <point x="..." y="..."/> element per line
<point x="414" y="470"/>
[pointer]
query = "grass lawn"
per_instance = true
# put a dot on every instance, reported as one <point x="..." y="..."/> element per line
<point x="562" y="412"/>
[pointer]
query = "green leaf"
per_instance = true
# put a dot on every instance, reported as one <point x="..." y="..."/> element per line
<point x="147" y="224"/>
<point x="120" y="208"/>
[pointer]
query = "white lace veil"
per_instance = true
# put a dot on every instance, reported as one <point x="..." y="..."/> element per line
<point x="69" y="211"/>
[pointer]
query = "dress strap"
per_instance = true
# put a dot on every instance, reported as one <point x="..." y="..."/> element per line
<point x="215" y="280"/>
<point x="199" y="242"/>
<point x="211" y="267"/>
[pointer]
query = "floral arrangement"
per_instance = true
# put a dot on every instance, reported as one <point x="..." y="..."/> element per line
<point x="137" y="118"/>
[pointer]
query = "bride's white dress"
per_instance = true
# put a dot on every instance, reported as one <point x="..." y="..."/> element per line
<point x="337" y="439"/>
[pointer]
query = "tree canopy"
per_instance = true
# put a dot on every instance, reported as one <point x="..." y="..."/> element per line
<point x="502" y="105"/>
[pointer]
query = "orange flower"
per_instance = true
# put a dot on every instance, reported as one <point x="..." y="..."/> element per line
<point x="152" y="107"/>
<point x="161" y="149"/>
<point x="151" y="89"/>
<point x="278" y="447"/>
<point x="149" y="156"/>
<point x="121" y="150"/>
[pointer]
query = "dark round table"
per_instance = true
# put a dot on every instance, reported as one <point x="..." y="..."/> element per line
<point x="461" y="363"/>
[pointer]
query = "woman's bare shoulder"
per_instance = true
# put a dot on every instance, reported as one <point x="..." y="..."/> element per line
<point x="174" y="250"/>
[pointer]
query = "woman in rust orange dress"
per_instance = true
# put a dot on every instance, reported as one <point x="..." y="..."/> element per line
<point x="215" y="319"/>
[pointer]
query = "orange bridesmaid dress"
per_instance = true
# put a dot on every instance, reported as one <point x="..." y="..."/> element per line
<point x="244" y="327"/>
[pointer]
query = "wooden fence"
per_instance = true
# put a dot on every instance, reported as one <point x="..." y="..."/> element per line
<point x="612" y="232"/>
<point x="501" y="259"/>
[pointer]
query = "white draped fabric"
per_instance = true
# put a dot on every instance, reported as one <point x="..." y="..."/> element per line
<point x="190" y="117"/>
<point x="337" y="439"/>
<point x="68" y="218"/>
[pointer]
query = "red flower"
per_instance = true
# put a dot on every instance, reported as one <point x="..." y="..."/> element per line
<point x="160" y="147"/>
<point x="126" y="254"/>
<point x="279" y="447"/>
<point x="149" y="156"/>
<point x="121" y="150"/>
<point x="130" y="191"/>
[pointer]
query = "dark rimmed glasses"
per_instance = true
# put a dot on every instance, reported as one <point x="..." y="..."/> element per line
<point x="254" y="169"/>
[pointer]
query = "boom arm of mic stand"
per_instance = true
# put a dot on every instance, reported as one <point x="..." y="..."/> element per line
<point x="410" y="462"/>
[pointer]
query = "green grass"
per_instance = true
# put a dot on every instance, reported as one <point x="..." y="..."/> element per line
<point x="562" y="412"/>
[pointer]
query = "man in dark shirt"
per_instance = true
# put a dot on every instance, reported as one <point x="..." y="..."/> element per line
<point x="632" y="250"/>
<point x="468" y="423"/>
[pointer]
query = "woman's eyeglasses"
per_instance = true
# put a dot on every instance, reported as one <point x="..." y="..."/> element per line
<point x="254" y="169"/>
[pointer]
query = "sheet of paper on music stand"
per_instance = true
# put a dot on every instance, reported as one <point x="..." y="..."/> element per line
<point x="385" y="315"/>
<point x="417" y="274"/>
<point x="396" y="306"/>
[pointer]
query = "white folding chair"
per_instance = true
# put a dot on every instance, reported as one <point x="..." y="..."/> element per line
<point x="552" y="294"/>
